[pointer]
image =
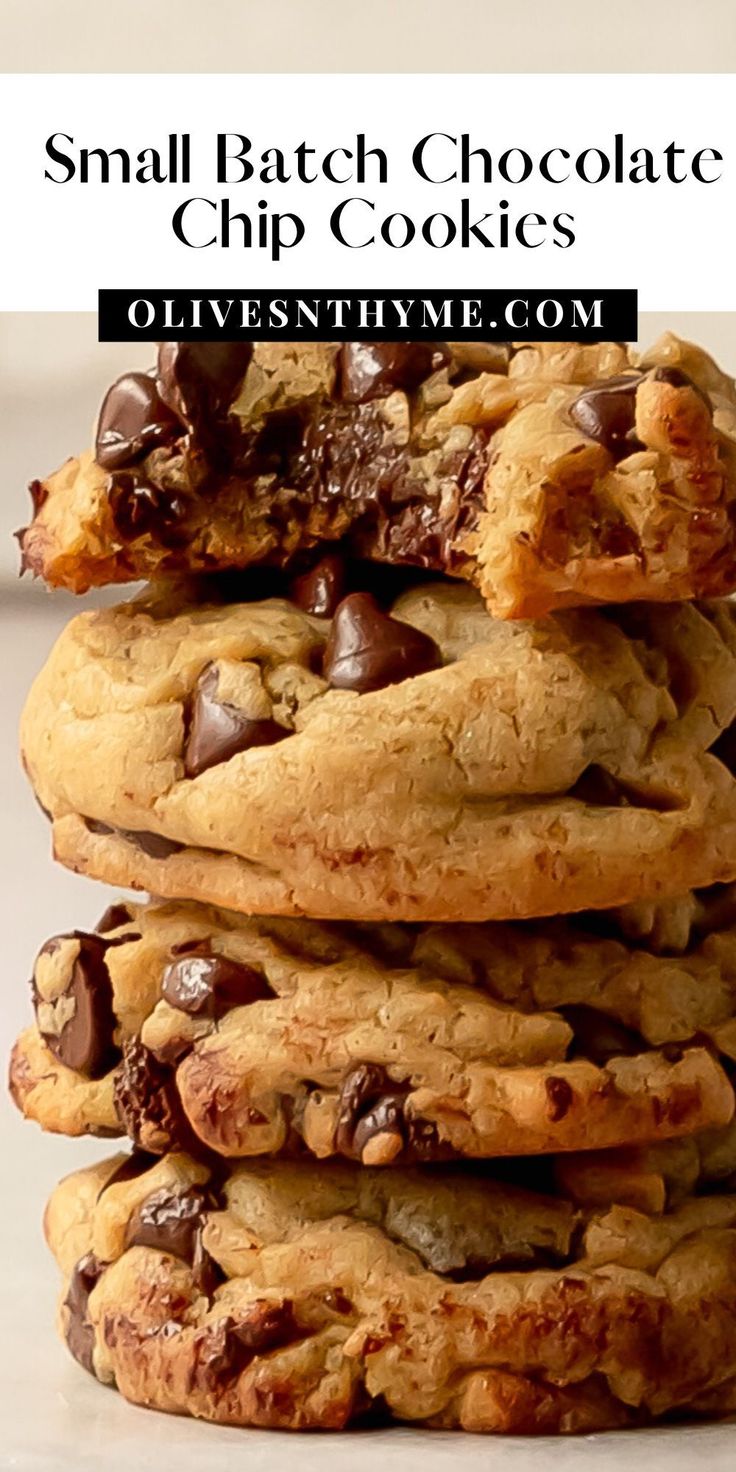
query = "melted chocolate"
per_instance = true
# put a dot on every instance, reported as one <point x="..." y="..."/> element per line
<point x="370" y="370"/>
<point x="147" y="1100"/>
<point x="86" y="1041"/>
<point x="606" y="412"/>
<point x="133" y="420"/>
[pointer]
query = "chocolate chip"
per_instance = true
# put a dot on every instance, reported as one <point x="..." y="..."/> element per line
<point x="677" y="379"/>
<point x="367" y="649"/>
<point x="606" y="413"/>
<point x="114" y="918"/>
<point x="152" y="844"/>
<point x="423" y="1140"/>
<point x="359" y="1088"/>
<point x="599" y="1037"/>
<point x="218" y="730"/>
<point x="147" y="1102"/>
<point x="85" y="1043"/>
<point x="207" y="1273"/>
<point x="338" y="1302"/>
<point x="170" y="1221"/>
<point x="598" y="788"/>
<point x="559" y="1097"/>
<point x="385" y="1117"/>
<point x="140" y="509"/>
<point x="39" y="494"/>
<point x="320" y="590"/>
<point x="370" y="370"/>
<point x="133" y="420"/>
<point x="80" y="1336"/>
<point x="226" y="1349"/>
<point x="371" y="1104"/>
<point x="204" y="984"/>
<point x="200" y="380"/>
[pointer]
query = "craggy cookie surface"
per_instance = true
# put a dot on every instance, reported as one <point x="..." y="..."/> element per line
<point x="552" y="475"/>
<point x="385" y="1045"/>
<point x="285" y="1296"/>
<point x="421" y="762"/>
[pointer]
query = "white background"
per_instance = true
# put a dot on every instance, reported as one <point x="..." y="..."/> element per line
<point x="63" y="241"/>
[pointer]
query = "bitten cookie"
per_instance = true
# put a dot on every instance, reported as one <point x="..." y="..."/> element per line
<point x="385" y="1045"/>
<point x="551" y="475"/>
<point x="421" y="762"/>
<point x="284" y="1296"/>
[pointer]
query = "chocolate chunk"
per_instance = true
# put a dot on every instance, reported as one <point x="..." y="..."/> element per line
<point x="559" y="1097"/>
<point x="228" y="1347"/>
<point x="133" y="421"/>
<point x="370" y="370"/>
<point x="320" y="590"/>
<point x="114" y="918"/>
<point x="606" y="412"/>
<point x="204" y="984"/>
<point x="134" y="1165"/>
<point x="80" y="1336"/>
<point x="218" y="730"/>
<point x="170" y="1221"/>
<point x="344" y="460"/>
<point x="367" y="649"/>
<point x="199" y="382"/>
<point x="599" y="1037"/>
<point x="147" y="1102"/>
<point x="140" y="509"/>
<point x="86" y="1040"/>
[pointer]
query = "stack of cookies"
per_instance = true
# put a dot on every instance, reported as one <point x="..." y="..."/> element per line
<point x="420" y="738"/>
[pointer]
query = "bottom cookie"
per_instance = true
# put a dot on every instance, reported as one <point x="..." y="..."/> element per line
<point x="293" y="1295"/>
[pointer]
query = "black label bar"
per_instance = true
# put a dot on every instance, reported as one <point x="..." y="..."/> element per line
<point x="371" y="316"/>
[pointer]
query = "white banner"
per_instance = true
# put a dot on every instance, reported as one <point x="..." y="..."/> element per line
<point x="577" y="182"/>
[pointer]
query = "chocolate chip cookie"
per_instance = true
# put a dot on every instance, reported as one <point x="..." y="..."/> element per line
<point x="386" y="1045"/>
<point x="289" y="1296"/>
<point x="547" y="475"/>
<point x="416" y="761"/>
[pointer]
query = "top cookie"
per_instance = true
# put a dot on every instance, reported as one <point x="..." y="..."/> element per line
<point x="554" y="475"/>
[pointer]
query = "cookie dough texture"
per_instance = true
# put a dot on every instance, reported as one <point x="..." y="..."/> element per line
<point x="547" y="474"/>
<point x="284" y="1297"/>
<point x="385" y="1045"/>
<point x="541" y="768"/>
